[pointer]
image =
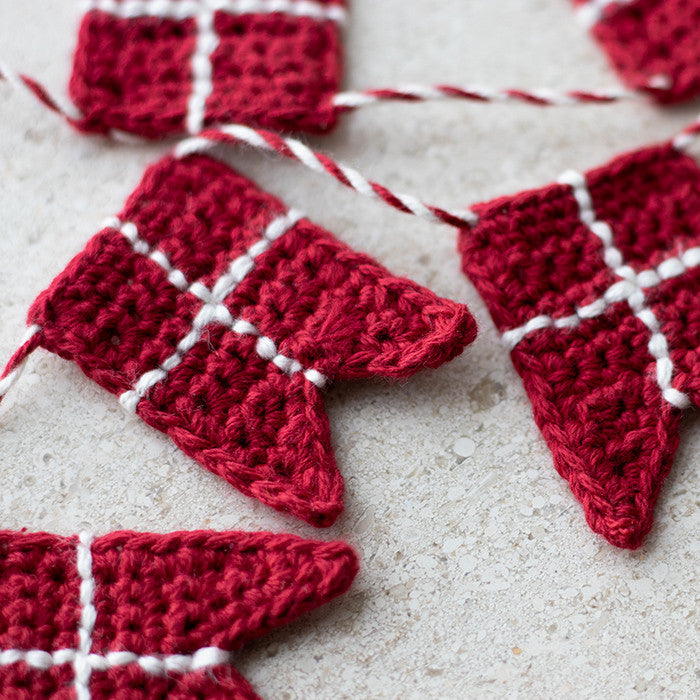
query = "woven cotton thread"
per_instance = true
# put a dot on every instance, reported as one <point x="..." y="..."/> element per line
<point x="88" y="614"/>
<point x="296" y="150"/>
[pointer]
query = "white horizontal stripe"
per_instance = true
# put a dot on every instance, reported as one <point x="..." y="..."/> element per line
<point x="186" y="9"/>
<point x="630" y="289"/>
<point x="84" y="662"/>
<point x="205" y="657"/>
<point x="620" y="291"/>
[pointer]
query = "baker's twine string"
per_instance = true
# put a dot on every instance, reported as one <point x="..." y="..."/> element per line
<point x="352" y="100"/>
<point x="293" y="149"/>
<point x="544" y="97"/>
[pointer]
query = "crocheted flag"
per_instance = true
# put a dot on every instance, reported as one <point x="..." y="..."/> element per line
<point x="141" y="616"/>
<point x="217" y="315"/>
<point x="595" y="282"/>
<point x="654" y="44"/>
<point x="160" y="67"/>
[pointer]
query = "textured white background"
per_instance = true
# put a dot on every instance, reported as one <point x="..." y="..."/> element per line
<point x="480" y="577"/>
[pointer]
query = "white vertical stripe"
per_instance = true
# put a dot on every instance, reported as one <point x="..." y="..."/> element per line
<point x="633" y="292"/>
<point x="619" y="291"/>
<point x="202" y="70"/>
<point x="88" y="615"/>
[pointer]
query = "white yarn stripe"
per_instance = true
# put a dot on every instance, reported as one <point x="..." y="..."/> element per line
<point x="592" y="12"/>
<point x="612" y="256"/>
<point x="618" y="292"/>
<point x="156" y="665"/>
<point x="629" y="289"/>
<point x="658" y="344"/>
<point x="11" y="378"/>
<point x="214" y="311"/>
<point x="186" y="9"/>
<point x="130" y="232"/>
<point x="88" y="615"/>
<point x="202" y="69"/>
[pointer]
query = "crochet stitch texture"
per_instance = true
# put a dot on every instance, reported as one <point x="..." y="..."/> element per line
<point x="216" y="315"/>
<point x="161" y="67"/>
<point x="594" y="283"/>
<point x="653" y="44"/>
<point x="134" y="615"/>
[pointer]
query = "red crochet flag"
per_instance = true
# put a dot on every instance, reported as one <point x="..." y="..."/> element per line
<point x="135" y="615"/>
<point x="654" y="44"/>
<point x="595" y="283"/>
<point x="217" y="315"/>
<point x="160" y="67"/>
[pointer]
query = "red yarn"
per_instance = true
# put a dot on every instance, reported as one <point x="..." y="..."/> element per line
<point x="137" y="73"/>
<point x="243" y="396"/>
<point x="579" y="315"/>
<point x="173" y="605"/>
<point x="654" y="44"/>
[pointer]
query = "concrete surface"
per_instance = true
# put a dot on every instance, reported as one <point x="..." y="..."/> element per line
<point x="480" y="577"/>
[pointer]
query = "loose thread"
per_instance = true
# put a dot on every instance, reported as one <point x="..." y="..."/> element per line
<point x="296" y="150"/>
<point x="14" y="368"/>
<point x="41" y="93"/>
<point x="687" y="136"/>
<point x="351" y="100"/>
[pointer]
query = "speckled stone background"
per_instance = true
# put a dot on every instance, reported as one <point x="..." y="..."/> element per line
<point x="480" y="577"/>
